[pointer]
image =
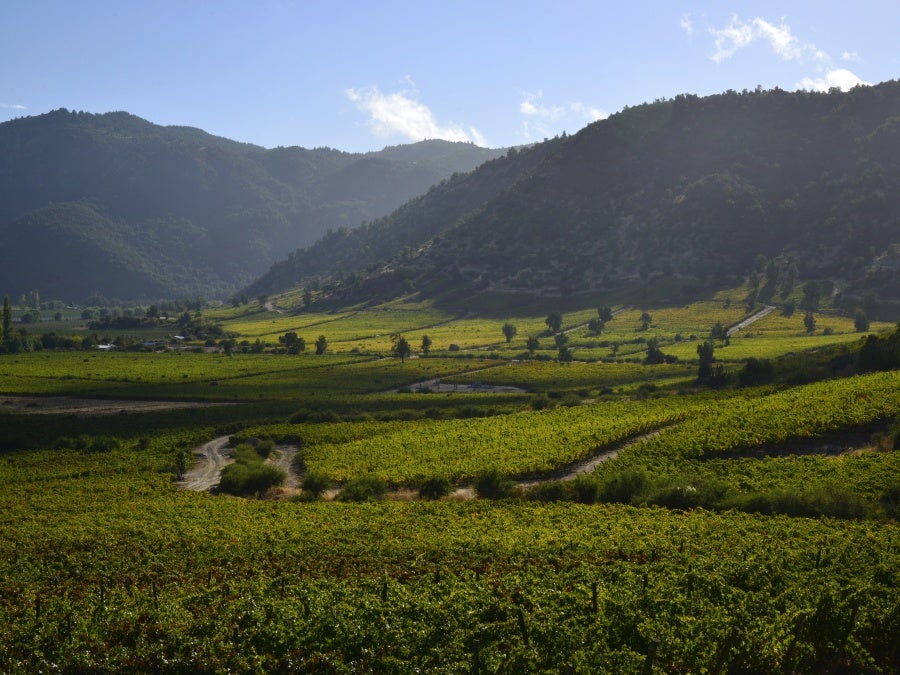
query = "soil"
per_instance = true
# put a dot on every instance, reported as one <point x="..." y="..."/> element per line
<point x="89" y="407"/>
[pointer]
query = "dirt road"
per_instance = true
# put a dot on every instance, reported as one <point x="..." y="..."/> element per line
<point x="210" y="459"/>
<point x="89" y="407"/>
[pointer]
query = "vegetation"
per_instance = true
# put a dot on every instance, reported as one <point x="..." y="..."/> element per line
<point x="673" y="486"/>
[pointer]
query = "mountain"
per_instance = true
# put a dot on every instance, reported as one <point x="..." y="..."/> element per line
<point x="688" y="192"/>
<point x="116" y="205"/>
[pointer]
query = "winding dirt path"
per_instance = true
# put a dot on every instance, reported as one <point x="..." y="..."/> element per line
<point x="210" y="459"/>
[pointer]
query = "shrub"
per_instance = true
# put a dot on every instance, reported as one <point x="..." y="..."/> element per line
<point x="622" y="488"/>
<point x="552" y="491"/>
<point x="540" y="402"/>
<point x="492" y="485"/>
<point x="435" y="488"/>
<point x="363" y="489"/>
<point x="244" y="479"/>
<point x="315" y="483"/>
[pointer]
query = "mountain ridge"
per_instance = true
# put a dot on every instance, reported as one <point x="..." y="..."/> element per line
<point x="688" y="189"/>
<point x="213" y="213"/>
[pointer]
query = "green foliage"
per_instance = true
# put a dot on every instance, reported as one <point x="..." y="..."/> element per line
<point x="435" y="488"/>
<point x="401" y="347"/>
<point x="809" y="322"/>
<point x="315" y="483"/>
<point x="554" y="321"/>
<point x="248" y="475"/>
<point x="493" y="485"/>
<point x="509" y="332"/>
<point x="363" y="489"/>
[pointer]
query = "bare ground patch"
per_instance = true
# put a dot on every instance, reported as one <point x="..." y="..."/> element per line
<point x="90" y="407"/>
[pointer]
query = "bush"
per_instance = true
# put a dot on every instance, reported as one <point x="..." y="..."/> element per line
<point x="315" y="483"/>
<point x="622" y="488"/>
<point x="552" y="491"/>
<point x="244" y="479"/>
<point x="363" y="489"/>
<point x="248" y="475"/>
<point x="492" y="485"/>
<point x="540" y="402"/>
<point x="435" y="488"/>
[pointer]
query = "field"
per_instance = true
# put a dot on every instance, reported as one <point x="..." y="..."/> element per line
<point x="728" y="528"/>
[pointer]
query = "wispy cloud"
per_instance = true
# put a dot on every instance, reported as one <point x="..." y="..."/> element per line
<point x="687" y="24"/>
<point x="13" y="106"/>
<point x="541" y="119"/>
<point x="739" y="34"/>
<point x="402" y="113"/>
<point x="841" y="78"/>
<point x="533" y="107"/>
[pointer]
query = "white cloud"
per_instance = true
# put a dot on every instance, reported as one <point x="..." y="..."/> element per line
<point x="841" y="78"/>
<point x="740" y="34"/>
<point x="850" y="56"/>
<point x="532" y="108"/>
<point x="542" y="120"/>
<point x="402" y="113"/>
<point x="13" y="106"/>
<point x="687" y="24"/>
<point x="588" y="112"/>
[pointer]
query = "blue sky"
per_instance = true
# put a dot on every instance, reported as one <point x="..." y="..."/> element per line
<point x="361" y="75"/>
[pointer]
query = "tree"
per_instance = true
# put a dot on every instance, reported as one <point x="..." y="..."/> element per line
<point x="321" y="345"/>
<point x="718" y="332"/>
<point x="654" y="353"/>
<point x="293" y="343"/>
<point x="401" y="347"/>
<point x="561" y="340"/>
<point x="426" y="344"/>
<point x="809" y="321"/>
<point x="596" y="326"/>
<point x="861" y="321"/>
<point x="532" y="344"/>
<point x="788" y="308"/>
<point x="646" y="318"/>
<point x="565" y="355"/>
<point x="604" y="313"/>
<point x="509" y="332"/>
<point x="554" y="321"/>
<point x="307" y="298"/>
<point x="706" y="352"/>
<point x="7" y="318"/>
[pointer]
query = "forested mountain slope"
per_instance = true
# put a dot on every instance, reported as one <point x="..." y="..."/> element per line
<point x="690" y="190"/>
<point x="114" y="204"/>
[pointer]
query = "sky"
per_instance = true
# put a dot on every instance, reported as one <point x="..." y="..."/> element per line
<point x="361" y="75"/>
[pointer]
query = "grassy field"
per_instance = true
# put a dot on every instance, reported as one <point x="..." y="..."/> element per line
<point x="744" y="529"/>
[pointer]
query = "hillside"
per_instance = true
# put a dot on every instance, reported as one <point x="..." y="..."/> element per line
<point x="687" y="192"/>
<point x="116" y="205"/>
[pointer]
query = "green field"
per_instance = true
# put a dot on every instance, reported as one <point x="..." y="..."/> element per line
<point x="737" y="529"/>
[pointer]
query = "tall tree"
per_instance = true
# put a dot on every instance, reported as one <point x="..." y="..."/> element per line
<point x="7" y="318"/>
<point x="604" y="313"/>
<point x="321" y="345"/>
<point x="509" y="332"/>
<point x="532" y="344"/>
<point x="809" y="322"/>
<point x="426" y="345"/>
<point x="401" y="347"/>
<point x="706" y="352"/>
<point x="554" y="321"/>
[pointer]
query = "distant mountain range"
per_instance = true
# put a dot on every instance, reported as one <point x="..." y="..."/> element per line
<point x="114" y="205"/>
<point x="689" y="192"/>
